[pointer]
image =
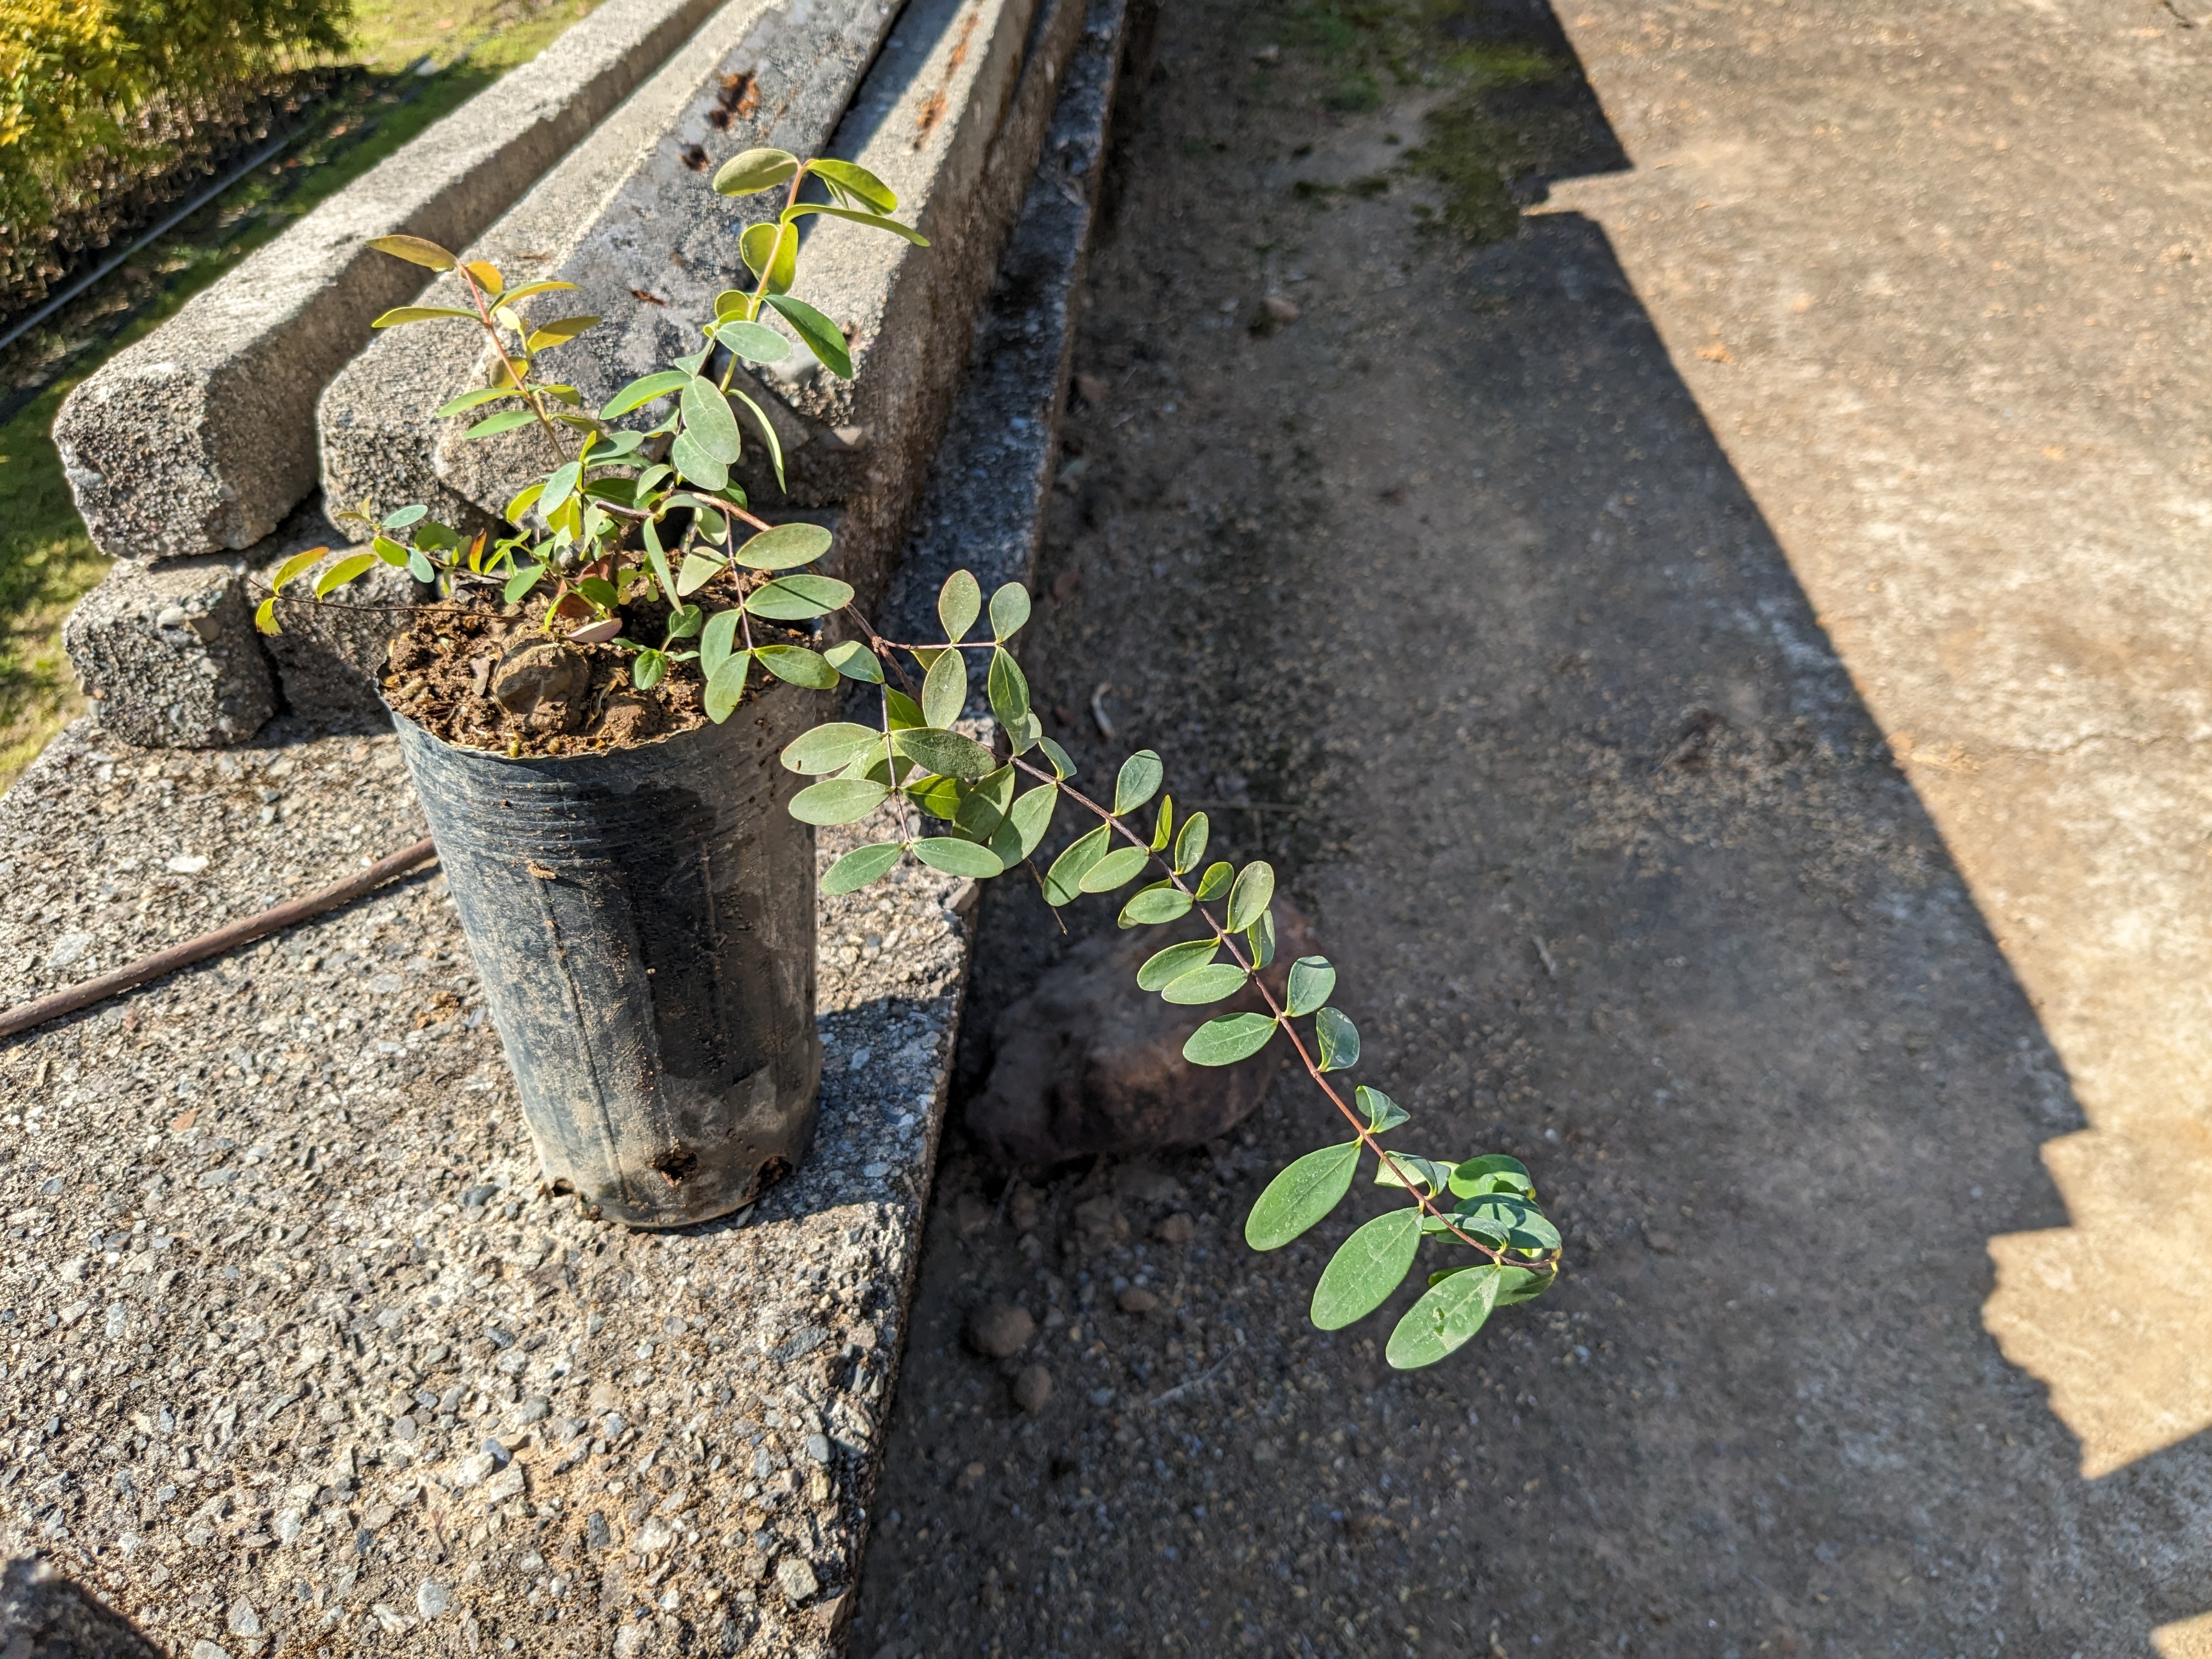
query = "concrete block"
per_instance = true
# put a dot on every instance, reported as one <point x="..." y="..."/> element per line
<point x="627" y="214"/>
<point x="169" y="656"/>
<point x="950" y="114"/>
<point x="330" y="656"/>
<point x="201" y="436"/>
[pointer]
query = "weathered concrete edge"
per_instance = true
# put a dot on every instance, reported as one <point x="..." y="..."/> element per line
<point x="923" y="310"/>
<point x="379" y="441"/>
<point x="995" y="531"/>
<point x="1020" y="359"/>
<point x="233" y="378"/>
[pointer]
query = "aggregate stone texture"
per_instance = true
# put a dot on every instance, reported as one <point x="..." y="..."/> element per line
<point x="982" y="508"/>
<point x="329" y="657"/>
<point x="628" y="217"/>
<point x="168" y="656"/>
<point x="295" y="1355"/>
<point x="201" y="437"/>
<point x="1485" y="595"/>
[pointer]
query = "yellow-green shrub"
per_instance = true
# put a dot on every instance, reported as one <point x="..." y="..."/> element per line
<point x="96" y="96"/>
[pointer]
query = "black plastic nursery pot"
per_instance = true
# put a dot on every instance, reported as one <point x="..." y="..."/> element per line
<point x="643" y="923"/>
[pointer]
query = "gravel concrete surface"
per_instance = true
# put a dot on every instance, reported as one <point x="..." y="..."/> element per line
<point x="1445" y="594"/>
<point x="296" y="1355"/>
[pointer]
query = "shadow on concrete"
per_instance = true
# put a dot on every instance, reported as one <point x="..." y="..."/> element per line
<point x="1621" y="879"/>
<point x="45" y="1614"/>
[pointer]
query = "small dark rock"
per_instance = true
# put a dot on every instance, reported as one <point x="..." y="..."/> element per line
<point x="970" y="1214"/>
<point x="1100" y="1223"/>
<point x="1177" y="1229"/>
<point x="1138" y="1300"/>
<point x="1032" y="1389"/>
<point x="595" y="1536"/>
<point x="543" y="672"/>
<point x="1087" y="1063"/>
<point x="999" y="1330"/>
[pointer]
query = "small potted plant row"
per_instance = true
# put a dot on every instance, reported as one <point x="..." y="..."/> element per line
<point x="618" y="719"/>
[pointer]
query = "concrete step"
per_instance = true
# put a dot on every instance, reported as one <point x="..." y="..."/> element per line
<point x="279" y="1270"/>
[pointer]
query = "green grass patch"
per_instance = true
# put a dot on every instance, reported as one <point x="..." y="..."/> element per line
<point x="47" y="560"/>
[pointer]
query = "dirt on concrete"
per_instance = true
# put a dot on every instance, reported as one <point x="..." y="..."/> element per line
<point x="1432" y="583"/>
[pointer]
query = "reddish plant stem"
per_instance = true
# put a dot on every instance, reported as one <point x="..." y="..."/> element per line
<point x="1222" y="937"/>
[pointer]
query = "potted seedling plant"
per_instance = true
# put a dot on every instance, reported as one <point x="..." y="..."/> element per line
<point x="617" y="717"/>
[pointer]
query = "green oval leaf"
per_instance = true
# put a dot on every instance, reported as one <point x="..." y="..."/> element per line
<point x="959" y="604"/>
<point x="1229" y="1038"/>
<point x="639" y="392"/>
<point x="559" y="331"/>
<point x="944" y="692"/>
<point x="854" y="661"/>
<point x="264" y="615"/>
<point x="1339" y="1038"/>
<point x="838" y="800"/>
<point x="861" y="866"/>
<point x="690" y="458"/>
<point x="1155" y="905"/>
<point x="1254" y="890"/>
<point x="1190" y="844"/>
<point x="1260" y="937"/>
<point x="1366" y="1267"/>
<point x="698" y="570"/>
<point x="414" y="250"/>
<point x="1493" y="1172"/>
<point x="296" y="566"/>
<point x="718" y="638"/>
<point x="945" y="753"/>
<point x="1062" y="766"/>
<point x="1311" y="981"/>
<point x="1447" y="1314"/>
<point x="852" y="179"/>
<point x="752" y="171"/>
<point x="343" y="571"/>
<point x="1169" y="965"/>
<point x="798" y="665"/>
<point x="828" y="747"/>
<point x="1381" y="1111"/>
<point x="1031" y="816"/>
<point x="1503" y="1219"/>
<point x="709" y="420"/>
<point x="1009" y="693"/>
<point x="785" y="546"/>
<point x="1214" y="883"/>
<point x="798" y="599"/>
<point x="401" y="315"/>
<point x="816" y="333"/>
<point x="1137" y="782"/>
<point x="726" y="685"/>
<point x="756" y="342"/>
<point x="461" y="405"/>
<point x="1010" y="609"/>
<point x="859" y="216"/>
<point x="1205" y="984"/>
<point x="1116" y="869"/>
<point x="957" y="858"/>
<point x="1302" y="1194"/>
<point x="1063" y="882"/>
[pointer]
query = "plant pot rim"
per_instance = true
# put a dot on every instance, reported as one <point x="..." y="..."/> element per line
<point x="506" y="759"/>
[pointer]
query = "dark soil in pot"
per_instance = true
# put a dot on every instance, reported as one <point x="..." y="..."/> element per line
<point x="487" y="676"/>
